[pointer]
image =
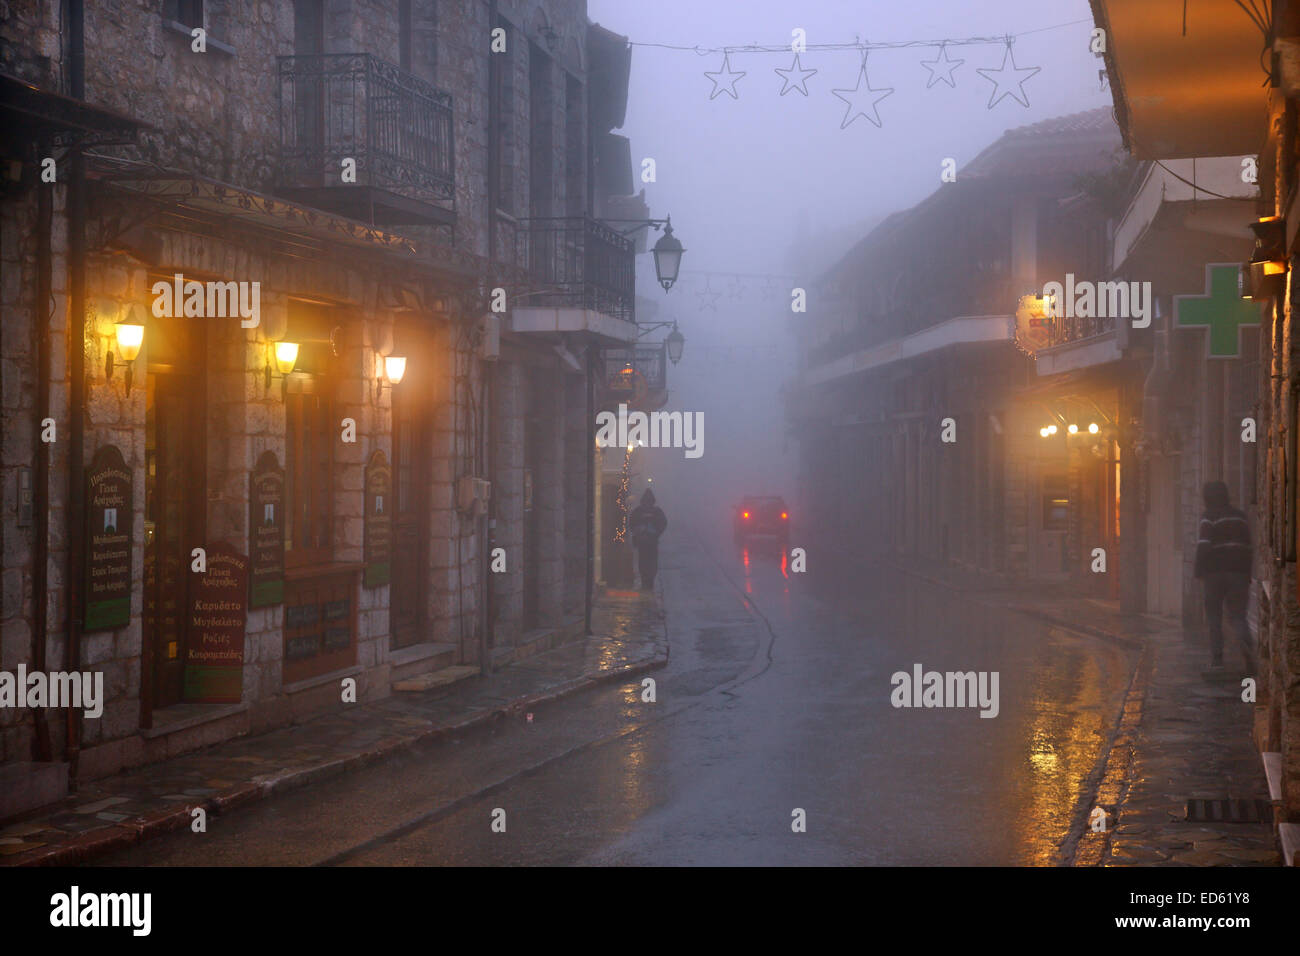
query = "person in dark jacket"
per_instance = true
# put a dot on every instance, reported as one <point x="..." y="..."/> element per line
<point x="646" y="523"/>
<point x="1223" y="562"/>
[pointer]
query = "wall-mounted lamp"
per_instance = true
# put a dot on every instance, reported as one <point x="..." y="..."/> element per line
<point x="667" y="251"/>
<point x="286" y="357"/>
<point x="674" y="342"/>
<point x="1265" y="273"/>
<point x="130" y="336"/>
<point x="394" y="370"/>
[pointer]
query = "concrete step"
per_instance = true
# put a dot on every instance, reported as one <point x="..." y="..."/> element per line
<point x="26" y="786"/>
<point x="410" y="662"/>
<point x="435" y="679"/>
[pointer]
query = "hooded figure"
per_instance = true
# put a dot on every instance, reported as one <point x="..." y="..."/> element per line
<point x="646" y="523"/>
<point x="1223" y="562"/>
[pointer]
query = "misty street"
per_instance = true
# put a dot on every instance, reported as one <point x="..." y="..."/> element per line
<point x="676" y="434"/>
<point x="775" y="698"/>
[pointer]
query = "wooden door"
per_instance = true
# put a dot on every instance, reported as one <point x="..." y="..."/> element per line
<point x="174" y="503"/>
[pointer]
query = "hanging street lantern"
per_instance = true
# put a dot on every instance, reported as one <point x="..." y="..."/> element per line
<point x="668" y="256"/>
<point x="674" y="342"/>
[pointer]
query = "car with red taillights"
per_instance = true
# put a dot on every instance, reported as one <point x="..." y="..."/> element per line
<point x="765" y="517"/>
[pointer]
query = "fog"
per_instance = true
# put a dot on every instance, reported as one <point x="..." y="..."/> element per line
<point x="768" y="191"/>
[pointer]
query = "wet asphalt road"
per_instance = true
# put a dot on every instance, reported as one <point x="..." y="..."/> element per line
<point x="777" y="697"/>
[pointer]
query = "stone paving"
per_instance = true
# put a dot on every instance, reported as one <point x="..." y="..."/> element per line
<point x="128" y="807"/>
<point x="1180" y="737"/>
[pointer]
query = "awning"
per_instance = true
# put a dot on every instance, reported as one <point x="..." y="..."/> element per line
<point x="193" y="191"/>
<point x="591" y="325"/>
<point x="1082" y="383"/>
<point x="1187" y="81"/>
<point x="24" y="104"/>
<point x="294" y="223"/>
<point x="963" y="330"/>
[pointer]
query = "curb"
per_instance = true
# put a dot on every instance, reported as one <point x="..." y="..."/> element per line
<point x="121" y="835"/>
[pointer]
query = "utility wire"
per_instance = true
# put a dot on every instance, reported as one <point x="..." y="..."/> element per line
<point x="856" y="44"/>
<point x="1208" y="192"/>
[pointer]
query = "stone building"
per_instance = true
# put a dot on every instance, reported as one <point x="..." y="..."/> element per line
<point x="1203" y="92"/>
<point x="301" y="306"/>
<point x="917" y="416"/>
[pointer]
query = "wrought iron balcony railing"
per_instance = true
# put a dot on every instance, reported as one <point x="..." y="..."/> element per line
<point x="651" y="361"/>
<point x="340" y="106"/>
<point x="581" y="263"/>
<point x="1065" y="329"/>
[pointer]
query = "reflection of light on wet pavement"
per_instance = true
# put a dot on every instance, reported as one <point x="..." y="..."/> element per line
<point x="749" y="583"/>
<point x="1065" y="730"/>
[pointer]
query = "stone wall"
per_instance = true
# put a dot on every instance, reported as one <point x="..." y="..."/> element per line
<point x="216" y="114"/>
<point x="1278" y="708"/>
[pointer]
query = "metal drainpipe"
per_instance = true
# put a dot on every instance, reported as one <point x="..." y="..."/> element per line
<point x="42" y="748"/>
<point x="77" y="382"/>
<point x="593" y="354"/>
<point x="485" y="604"/>
<point x="489" y="373"/>
<point x="1155" y="397"/>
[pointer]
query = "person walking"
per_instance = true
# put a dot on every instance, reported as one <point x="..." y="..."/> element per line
<point x="646" y="523"/>
<point x="1223" y="562"/>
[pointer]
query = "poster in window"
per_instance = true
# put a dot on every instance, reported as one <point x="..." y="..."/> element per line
<point x="110" y="516"/>
<point x="378" y="521"/>
<point x="214" y="653"/>
<point x="266" y="505"/>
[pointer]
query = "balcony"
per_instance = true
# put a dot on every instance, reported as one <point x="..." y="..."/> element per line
<point x="397" y="127"/>
<point x="587" y="264"/>
<point x="649" y="361"/>
<point x="1064" y="330"/>
<point x="583" y="275"/>
<point x="636" y="376"/>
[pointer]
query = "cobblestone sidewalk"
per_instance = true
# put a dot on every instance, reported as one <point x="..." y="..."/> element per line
<point x="108" y="814"/>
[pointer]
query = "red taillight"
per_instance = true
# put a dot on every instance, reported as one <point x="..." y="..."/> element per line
<point x="745" y="515"/>
<point x="784" y="516"/>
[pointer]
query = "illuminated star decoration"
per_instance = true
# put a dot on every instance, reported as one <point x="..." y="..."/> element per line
<point x="788" y="84"/>
<point x="941" y="68"/>
<point x="709" y="298"/>
<point x="861" y="94"/>
<point x="728" y="83"/>
<point x="736" y="289"/>
<point x="1005" y="79"/>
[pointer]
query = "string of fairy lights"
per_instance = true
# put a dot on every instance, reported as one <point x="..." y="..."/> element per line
<point x="862" y="100"/>
<point x="621" y="498"/>
<point x="738" y="287"/>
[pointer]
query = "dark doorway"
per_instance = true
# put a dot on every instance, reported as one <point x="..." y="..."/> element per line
<point x="174" y="523"/>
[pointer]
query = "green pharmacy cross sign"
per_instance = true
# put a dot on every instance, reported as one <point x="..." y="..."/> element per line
<point x="1221" y="309"/>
